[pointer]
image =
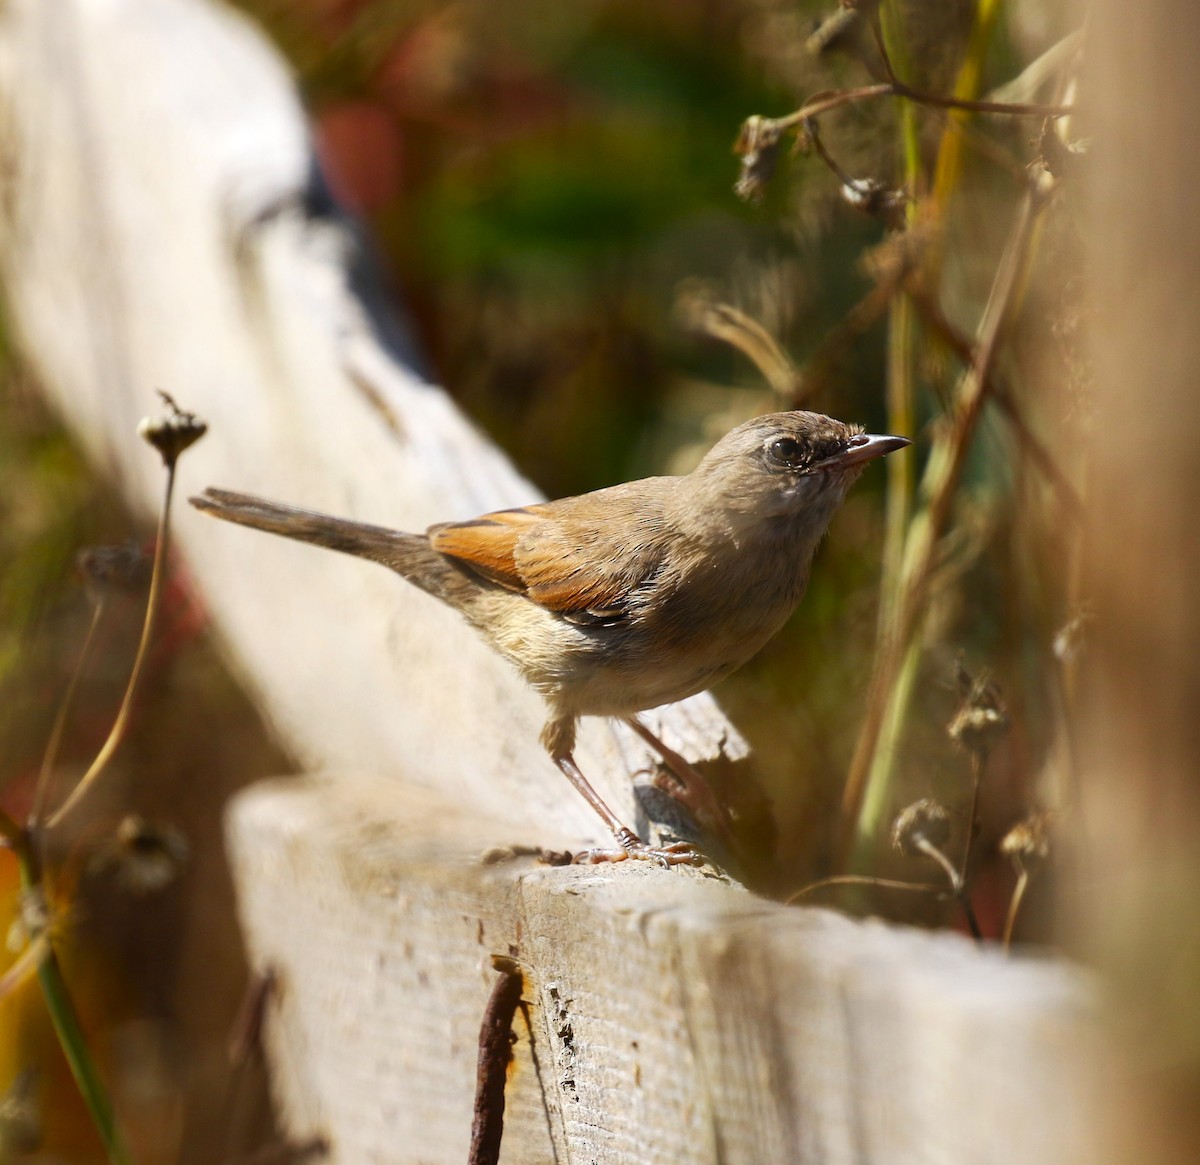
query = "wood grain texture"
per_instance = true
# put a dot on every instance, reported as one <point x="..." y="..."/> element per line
<point x="165" y="225"/>
<point x="676" y="1019"/>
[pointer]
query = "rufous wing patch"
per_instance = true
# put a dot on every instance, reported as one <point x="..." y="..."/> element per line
<point x="528" y="551"/>
<point x="487" y="544"/>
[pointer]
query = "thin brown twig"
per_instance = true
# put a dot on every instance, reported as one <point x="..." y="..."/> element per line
<point x="495" y="1052"/>
<point x="50" y="759"/>
<point x="1010" y="923"/>
<point x="1042" y="459"/>
<point x="825" y="101"/>
<point x="978" y="760"/>
<point x="957" y="886"/>
<point x="117" y="733"/>
<point x="862" y="880"/>
<point x="727" y="323"/>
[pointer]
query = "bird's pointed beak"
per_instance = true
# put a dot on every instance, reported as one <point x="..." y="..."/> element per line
<point x="863" y="448"/>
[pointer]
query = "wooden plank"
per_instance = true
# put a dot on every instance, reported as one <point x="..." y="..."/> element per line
<point x="675" y="1018"/>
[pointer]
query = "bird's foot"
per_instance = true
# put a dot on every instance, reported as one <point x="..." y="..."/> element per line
<point x="676" y="853"/>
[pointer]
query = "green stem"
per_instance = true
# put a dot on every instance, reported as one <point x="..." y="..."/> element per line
<point x="1014" y="906"/>
<point x="70" y="1033"/>
<point x="883" y="762"/>
<point x="901" y="392"/>
<point x="966" y="85"/>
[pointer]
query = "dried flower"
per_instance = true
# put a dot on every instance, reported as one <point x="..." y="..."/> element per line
<point x="121" y="567"/>
<point x="758" y="146"/>
<point x="981" y="717"/>
<point x="144" y="857"/>
<point x="927" y="821"/>
<point x="1029" y="838"/>
<point x="173" y="431"/>
<point x="876" y="198"/>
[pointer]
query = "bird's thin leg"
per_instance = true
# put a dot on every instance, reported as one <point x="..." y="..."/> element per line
<point x="691" y="789"/>
<point x="631" y="846"/>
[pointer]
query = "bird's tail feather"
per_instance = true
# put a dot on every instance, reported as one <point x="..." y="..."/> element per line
<point x="407" y="554"/>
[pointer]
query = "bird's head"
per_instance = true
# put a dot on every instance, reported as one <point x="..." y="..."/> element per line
<point x="789" y="464"/>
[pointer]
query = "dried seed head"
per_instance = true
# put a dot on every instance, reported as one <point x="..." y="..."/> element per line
<point x="927" y="820"/>
<point x="758" y="146"/>
<point x="123" y="567"/>
<point x="143" y="857"/>
<point x="1029" y="839"/>
<point x="172" y="431"/>
<point x="876" y="198"/>
<point x="981" y="718"/>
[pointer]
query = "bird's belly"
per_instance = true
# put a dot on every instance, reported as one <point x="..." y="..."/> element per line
<point x="656" y="658"/>
<point x="642" y="672"/>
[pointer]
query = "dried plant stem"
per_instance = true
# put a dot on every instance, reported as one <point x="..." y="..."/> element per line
<point x="978" y="760"/>
<point x="887" y="702"/>
<point x="863" y="880"/>
<point x="956" y="884"/>
<point x="117" y="733"/>
<point x="824" y="102"/>
<point x="1040" y="457"/>
<point x="1014" y="906"/>
<point x="50" y="759"/>
<point x="727" y="323"/>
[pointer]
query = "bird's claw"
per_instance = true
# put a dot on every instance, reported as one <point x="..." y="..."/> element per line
<point x="675" y="853"/>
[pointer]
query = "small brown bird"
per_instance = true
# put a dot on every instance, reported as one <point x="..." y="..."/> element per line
<point x="628" y="597"/>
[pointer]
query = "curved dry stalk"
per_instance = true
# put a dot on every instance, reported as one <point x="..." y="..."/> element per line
<point x="833" y="99"/>
<point x="117" y="733"/>
<point x="1014" y="905"/>
<point x="50" y="759"/>
<point x="956" y="883"/>
<point x="861" y="880"/>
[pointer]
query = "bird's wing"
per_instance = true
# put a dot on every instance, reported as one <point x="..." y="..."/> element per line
<point x="488" y="545"/>
<point x="550" y="554"/>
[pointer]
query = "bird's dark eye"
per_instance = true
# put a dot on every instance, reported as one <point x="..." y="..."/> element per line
<point x="786" y="451"/>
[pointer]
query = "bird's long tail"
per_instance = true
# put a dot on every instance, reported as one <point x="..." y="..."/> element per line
<point x="408" y="554"/>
